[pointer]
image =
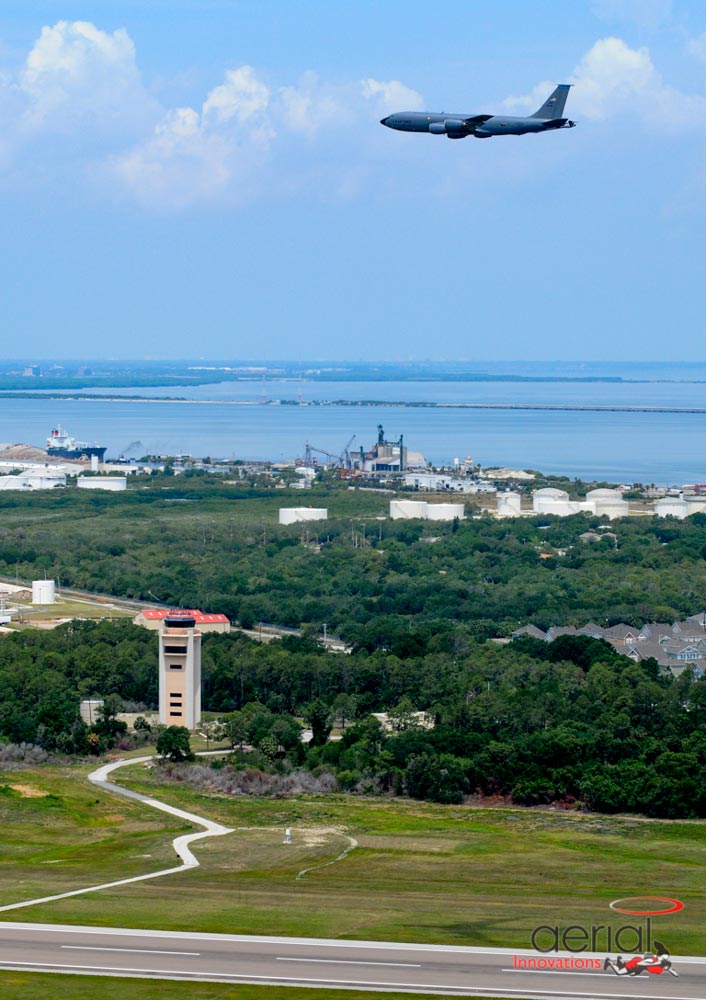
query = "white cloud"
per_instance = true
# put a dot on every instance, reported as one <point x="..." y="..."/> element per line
<point x="613" y="79"/>
<point x="198" y="155"/>
<point x="222" y="150"/>
<point x="312" y="105"/>
<point x="239" y="98"/>
<point x="391" y="95"/>
<point x="76" y="72"/>
<point x="180" y="163"/>
<point x="81" y="86"/>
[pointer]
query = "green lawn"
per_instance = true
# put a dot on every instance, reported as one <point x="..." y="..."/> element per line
<point x="59" y="833"/>
<point x="421" y="872"/>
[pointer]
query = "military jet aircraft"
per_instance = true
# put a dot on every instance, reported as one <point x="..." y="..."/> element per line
<point x="546" y="119"/>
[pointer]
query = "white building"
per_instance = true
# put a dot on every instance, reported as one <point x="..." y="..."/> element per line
<point x="293" y="515"/>
<point x="437" y="482"/>
<point x="90" y="710"/>
<point x="180" y="671"/>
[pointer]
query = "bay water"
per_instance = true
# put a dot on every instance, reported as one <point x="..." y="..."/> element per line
<point x="242" y="419"/>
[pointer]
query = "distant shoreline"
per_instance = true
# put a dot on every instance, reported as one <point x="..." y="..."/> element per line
<point x="365" y="403"/>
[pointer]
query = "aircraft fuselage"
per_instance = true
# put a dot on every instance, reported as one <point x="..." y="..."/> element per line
<point x="460" y="126"/>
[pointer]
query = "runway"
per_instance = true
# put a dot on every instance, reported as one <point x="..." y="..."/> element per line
<point x="311" y="962"/>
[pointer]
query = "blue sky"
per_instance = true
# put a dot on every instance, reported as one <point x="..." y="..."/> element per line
<point x="208" y="178"/>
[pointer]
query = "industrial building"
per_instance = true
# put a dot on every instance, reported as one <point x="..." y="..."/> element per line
<point x="180" y="670"/>
<point x="387" y="456"/>
<point x="439" y="483"/>
<point x="153" y="618"/>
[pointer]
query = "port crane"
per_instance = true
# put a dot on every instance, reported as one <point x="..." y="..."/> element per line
<point x="343" y="460"/>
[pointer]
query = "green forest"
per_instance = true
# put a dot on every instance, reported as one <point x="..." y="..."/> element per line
<point x="419" y="604"/>
<point x="570" y="721"/>
<point x="375" y="582"/>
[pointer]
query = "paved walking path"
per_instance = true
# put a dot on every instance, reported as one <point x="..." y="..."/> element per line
<point x="181" y="843"/>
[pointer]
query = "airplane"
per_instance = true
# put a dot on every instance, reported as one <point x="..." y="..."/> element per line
<point x="546" y="119"/>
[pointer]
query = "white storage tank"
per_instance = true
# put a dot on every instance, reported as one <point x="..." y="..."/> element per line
<point x="43" y="592"/>
<point x="695" y="505"/>
<point x="546" y="501"/>
<point x="509" y="504"/>
<point x="114" y="483"/>
<point x="559" y="508"/>
<point x="672" y="507"/>
<point x="612" y="507"/>
<point x="32" y="481"/>
<point x="445" y="511"/>
<point x="604" y="494"/>
<point x="293" y="515"/>
<point x="408" y="508"/>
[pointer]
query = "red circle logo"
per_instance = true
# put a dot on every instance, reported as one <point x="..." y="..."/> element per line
<point x="627" y="905"/>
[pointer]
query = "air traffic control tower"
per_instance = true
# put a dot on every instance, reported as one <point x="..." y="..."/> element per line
<point x="180" y="671"/>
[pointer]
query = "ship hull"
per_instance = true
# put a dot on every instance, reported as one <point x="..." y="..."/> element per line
<point x="85" y="451"/>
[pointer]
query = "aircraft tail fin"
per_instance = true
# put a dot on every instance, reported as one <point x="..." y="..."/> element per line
<point x="553" y="107"/>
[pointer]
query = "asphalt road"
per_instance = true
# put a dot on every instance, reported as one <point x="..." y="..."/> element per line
<point x="324" y="963"/>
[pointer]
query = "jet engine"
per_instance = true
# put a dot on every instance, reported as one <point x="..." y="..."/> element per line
<point x="452" y="127"/>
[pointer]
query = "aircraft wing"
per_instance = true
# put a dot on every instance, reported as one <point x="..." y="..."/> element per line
<point x="477" y="119"/>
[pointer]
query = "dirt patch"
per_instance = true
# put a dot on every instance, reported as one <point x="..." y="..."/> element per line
<point x="27" y="792"/>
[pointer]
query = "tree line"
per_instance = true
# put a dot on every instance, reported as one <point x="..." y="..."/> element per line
<point x="571" y="721"/>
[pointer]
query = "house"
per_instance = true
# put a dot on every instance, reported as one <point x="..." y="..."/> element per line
<point x="678" y="647"/>
<point x="531" y="630"/>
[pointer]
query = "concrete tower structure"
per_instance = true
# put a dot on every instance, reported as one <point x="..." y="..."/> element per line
<point x="180" y="671"/>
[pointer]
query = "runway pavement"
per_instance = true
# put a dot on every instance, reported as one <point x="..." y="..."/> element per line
<point x="355" y="965"/>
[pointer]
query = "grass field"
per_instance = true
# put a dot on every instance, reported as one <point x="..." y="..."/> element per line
<point x="37" y="986"/>
<point x="59" y="833"/>
<point x="421" y="872"/>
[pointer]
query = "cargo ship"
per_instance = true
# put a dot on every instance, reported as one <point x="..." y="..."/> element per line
<point x="61" y="445"/>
